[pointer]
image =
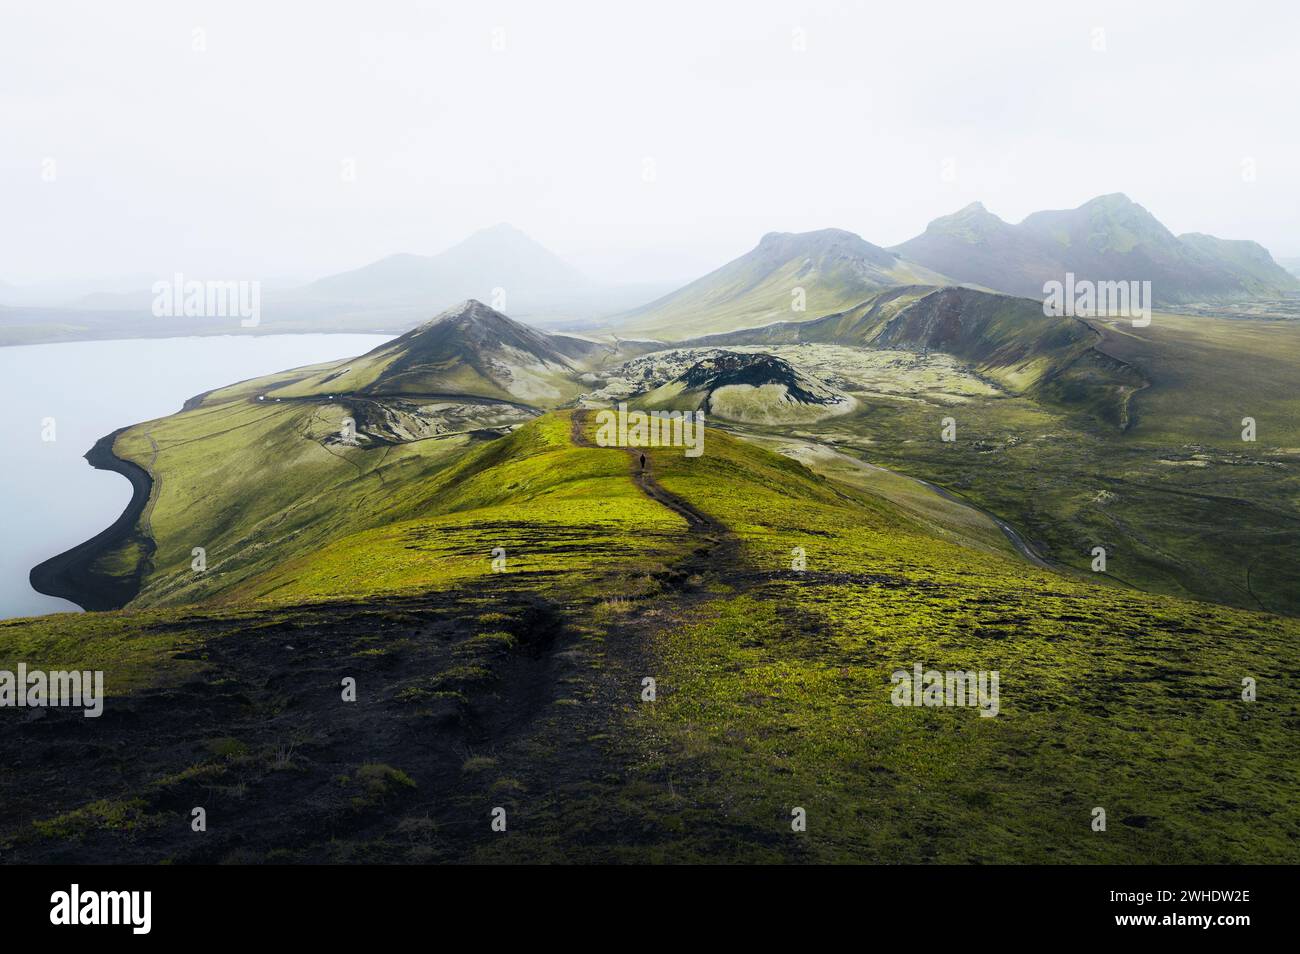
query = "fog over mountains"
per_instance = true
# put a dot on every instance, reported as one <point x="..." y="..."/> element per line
<point x="498" y="257"/>
<point x="1108" y="238"/>
<point x="787" y="276"/>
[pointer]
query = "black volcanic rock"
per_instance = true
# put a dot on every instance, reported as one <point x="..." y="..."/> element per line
<point x="730" y="367"/>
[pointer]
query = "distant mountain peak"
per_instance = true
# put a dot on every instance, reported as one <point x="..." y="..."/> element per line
<point x="815" y="235"/>
<point x="468" y="311"/>
<point x="502" y="232"/>
<point x="499" y="256"/>
<point x="818" y="238"/>
<point x="472" y="322"/>
<point x="1121" y="206"/>
<point x="469" y="349"/>
<point x="1109" y="237"/>
<point x="1112" y="203"/>
<point x="1111" y="200"/>
<point x="504" y="228"/>
<point x="824" y="245"/>
<point x="973" y="219"/>
<point x="824" y="270"/>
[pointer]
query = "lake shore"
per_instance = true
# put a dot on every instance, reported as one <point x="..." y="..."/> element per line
<point x="71" y="575"/>
<point x="56" y="501"/>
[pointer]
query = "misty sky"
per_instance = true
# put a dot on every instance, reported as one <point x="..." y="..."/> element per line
<point x="227" y="162"/>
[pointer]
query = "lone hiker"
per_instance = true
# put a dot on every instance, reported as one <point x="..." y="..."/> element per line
<point x="643" y="463"/>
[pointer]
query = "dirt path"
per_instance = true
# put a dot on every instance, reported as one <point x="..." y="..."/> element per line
<point x="716" y="555"/>
<point x="698" y="522"/>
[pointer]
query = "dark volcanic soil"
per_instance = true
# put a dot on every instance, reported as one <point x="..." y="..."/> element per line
<point x="490" y="696"/>
<point x="263" y="740"/>
<point x="71" y="574"/>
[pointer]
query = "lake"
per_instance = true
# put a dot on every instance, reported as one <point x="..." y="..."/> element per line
<point x="52" y="497"/>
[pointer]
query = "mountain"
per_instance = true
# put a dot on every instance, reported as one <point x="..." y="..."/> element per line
<point x="1292" y="265"/>
<point x="1108" y="238"/>
<point x="469" y="374"/>
<point x="1249" y="261"/>
<point x="1005" y="339"/>
<point x="389" y="296"/>
<point x="498" y="257"/>
<point x="1003" y="336"/>
<point x="752" y="388"/>
<point x="976" y="246"/>
<point x="1112" y="237"/>
<point x="90" y="293"/>
<point x="470" y="350"/>
<point x="835" y="269"/>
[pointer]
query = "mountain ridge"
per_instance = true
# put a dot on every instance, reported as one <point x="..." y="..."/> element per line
<point x="469" y="349"/>
<point x="834" y="268"/>
<point x="500" y="256"/>
<point x="1006" y="339"/>
<point x="1110" y="237"/>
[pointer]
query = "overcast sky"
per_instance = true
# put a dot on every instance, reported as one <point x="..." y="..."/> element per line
<point x="650" y="140"/>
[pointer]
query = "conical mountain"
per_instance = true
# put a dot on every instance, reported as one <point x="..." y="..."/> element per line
<point x="468" y="350"/>
<point x="498" y="257"/>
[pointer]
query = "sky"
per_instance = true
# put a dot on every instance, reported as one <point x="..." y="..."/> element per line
<point x="642" y="142"/>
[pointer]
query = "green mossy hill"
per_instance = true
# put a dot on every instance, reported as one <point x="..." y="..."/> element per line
<point x="557" y="512"/>
<point x="771" y="627"/>
<point x="256" y="483"/>
<point x="834" y="269"/>
<point x="469" y="349"/>
<point x="779" y="696"/>
<point x="1007" y="340"/>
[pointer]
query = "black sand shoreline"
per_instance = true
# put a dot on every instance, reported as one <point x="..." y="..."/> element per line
<point x="69" y="575"/>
